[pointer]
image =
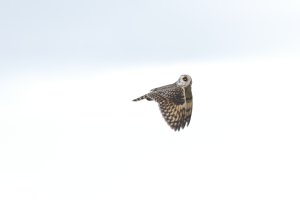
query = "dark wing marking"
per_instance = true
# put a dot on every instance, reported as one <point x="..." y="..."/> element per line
<point x="172" y="106"/>
<point x="174" y="94"/>
<point x="188" y="111"/>
<point x="189" y="104"/>
<point x="173" y="114"/>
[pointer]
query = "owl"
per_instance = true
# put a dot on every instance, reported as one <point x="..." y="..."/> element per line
<point x="175" y="101"/>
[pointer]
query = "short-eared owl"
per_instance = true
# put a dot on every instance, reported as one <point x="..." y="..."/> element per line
<point x="175" y="101"/>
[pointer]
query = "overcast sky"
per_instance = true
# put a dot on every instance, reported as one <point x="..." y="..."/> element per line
<point x="68" y="73"/>
<point x="41" y="32"/>
<point x="78" y="135"/>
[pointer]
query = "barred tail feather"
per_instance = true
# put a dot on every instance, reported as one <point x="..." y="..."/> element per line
<point x="142" y="97"/>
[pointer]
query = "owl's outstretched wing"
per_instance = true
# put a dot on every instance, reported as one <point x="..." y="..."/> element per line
<point x="188" y="110"/>
<point x="173" y="114"/>
<point x="165" y="87"/>
<point x="173" y="106"/>
<point x="173" y="94"/>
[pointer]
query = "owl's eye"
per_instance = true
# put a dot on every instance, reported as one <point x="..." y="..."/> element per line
<point x="184" y="78"/>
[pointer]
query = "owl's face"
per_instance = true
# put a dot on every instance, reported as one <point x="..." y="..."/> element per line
<point x="184" y="81"/>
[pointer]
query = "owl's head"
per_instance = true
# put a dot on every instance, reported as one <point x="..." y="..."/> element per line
<point x="184" y="80"/>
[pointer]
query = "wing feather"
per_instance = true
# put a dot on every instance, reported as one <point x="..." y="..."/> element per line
<point x="172" y="105"/>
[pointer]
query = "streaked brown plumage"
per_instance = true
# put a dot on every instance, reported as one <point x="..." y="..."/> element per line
<point x="175" y="102"/>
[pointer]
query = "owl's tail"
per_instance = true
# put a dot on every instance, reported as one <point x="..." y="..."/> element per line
<point x="142" y="97"/>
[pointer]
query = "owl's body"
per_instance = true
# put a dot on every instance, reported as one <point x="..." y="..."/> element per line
<point x="175" y="101"/>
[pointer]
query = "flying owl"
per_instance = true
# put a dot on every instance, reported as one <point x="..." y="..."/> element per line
<point x="175" y="101"/>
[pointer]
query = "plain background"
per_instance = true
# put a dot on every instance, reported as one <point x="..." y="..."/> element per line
<point x="68" y="73"/>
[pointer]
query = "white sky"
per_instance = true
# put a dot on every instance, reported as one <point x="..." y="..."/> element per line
<point x="68" y="73"/>
<point x="77" y="135"/>
<point x="121" y="31"/>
